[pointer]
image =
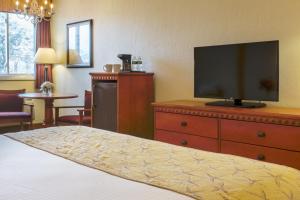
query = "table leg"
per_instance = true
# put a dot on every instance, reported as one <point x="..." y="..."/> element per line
<point x="48" y="121"/>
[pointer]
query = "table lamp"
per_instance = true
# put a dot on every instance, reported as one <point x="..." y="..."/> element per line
<point x="45" y="56"/>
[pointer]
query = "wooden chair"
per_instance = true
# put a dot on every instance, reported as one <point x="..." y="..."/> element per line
<point x="11" y="108"/>
<point x="84" y="113"/>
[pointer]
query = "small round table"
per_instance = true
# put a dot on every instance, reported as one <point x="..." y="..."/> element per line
<point x="49" y="99"/>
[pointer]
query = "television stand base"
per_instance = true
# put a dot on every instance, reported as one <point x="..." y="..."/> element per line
<point x="238" y="104"/>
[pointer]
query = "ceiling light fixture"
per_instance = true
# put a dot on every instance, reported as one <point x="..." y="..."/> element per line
<point x="31" y="10"/>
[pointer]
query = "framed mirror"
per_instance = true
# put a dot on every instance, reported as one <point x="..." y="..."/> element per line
<point x="80" y="44"/>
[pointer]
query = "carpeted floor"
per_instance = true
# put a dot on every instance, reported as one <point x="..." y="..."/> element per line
<point x="16" y="128"/>
<point x="9" y="129"/>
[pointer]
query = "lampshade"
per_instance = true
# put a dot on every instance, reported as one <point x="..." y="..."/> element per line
<point x="45" y="56"/>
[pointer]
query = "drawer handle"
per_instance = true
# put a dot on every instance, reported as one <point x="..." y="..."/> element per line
<point x="261" y="157"/>
<point x="184" y="142"/>
<point x="261" y="134"/>
<point x="184" y="124"/>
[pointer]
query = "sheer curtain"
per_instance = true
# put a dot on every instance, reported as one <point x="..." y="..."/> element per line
<point x="43" y="39"/>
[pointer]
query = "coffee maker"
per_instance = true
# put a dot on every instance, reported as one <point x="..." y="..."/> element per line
<point x="126" y="59"/>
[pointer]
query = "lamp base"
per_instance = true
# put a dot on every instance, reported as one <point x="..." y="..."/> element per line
<point x="46" y="73"/>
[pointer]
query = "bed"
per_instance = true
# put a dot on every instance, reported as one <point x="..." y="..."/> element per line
<point x="78" y="162"/>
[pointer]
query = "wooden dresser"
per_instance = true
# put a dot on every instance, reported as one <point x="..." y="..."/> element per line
<point x="121" y="102"/>
<point x="268" y="134"/>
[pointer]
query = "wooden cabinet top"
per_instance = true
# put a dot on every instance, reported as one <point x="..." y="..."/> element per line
<point x="269" y="114"/>
<point x="122" y="74"/>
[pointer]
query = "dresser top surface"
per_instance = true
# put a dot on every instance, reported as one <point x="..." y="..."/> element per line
<point x="199" y="105"/>
<point x="122" y="74"/>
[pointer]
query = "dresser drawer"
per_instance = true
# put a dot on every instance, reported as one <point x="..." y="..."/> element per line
<point x="189" y="124"/>
<point x="267" y="154"/>
<point x="186" y="140"/>
<point x="270" y="135"/>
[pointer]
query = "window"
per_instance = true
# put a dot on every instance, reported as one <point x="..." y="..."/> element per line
<point x="17" y="45"/>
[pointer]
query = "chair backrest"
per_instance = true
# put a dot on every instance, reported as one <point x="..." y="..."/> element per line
<point x="87" y="102"/>
<point x="10" y="101"/>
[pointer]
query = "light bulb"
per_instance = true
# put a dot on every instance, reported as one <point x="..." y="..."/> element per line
<point x="45" y="2"/>
<point x="25" y="8"/>
<point x="17" y="5"/>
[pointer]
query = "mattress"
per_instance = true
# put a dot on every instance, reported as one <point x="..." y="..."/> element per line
<point x="27" y="173"/>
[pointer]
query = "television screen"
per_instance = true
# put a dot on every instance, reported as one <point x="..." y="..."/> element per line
<point x="248" y="71"/>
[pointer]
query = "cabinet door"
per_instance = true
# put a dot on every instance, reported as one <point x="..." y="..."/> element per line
<point x="105" y="105"/>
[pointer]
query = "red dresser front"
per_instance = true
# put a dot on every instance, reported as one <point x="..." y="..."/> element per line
<point x="279" y="156"/>
<point x="267" y="134"/>
<point x="187" y="130"/>
<point x="187" y="140"/>
<point x="194" y="125"/>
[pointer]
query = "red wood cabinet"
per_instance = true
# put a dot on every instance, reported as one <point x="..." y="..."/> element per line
<point x="121" y="102"/>
<point x="187" y="140"/>
<point x="274" y="155"/>
<point x="268" y="134"/>
<point x="195" y="125"/>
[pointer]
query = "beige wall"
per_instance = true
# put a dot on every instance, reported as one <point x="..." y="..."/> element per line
<point x="29" y="86"/>
<point x="164" y="33"/>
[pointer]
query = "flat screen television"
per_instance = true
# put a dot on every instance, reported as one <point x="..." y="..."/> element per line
<point x="236" y="72"/>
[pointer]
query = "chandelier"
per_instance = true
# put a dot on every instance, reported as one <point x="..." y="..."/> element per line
<point x="32" y="11"/>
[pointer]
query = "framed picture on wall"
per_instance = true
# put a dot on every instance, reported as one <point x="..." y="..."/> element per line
<point x="80" y="44"/>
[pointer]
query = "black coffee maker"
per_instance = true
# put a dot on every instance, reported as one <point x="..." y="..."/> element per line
<point x="126" y="59"/>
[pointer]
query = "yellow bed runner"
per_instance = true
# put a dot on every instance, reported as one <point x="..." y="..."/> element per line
<point x="198" y="174"/>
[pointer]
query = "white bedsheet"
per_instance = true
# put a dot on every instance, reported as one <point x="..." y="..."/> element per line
<point x="27" y="173"/>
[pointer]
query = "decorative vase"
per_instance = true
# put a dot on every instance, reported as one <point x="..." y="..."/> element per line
<point x="47" y="91"/>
